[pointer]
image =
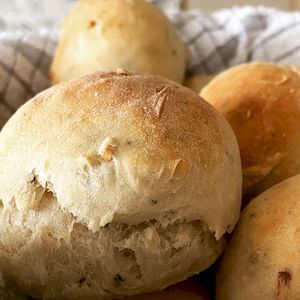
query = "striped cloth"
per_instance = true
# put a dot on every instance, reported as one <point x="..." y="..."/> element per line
<point x="215" y="41"/>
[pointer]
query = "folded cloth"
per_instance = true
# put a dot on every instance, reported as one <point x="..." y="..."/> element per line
<point x="241" y="34"/>
<point x="24" y="65"/>
<point x="215" y="42"/>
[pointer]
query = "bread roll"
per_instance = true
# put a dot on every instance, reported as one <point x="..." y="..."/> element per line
<point x="119" y="184"/>
<point x="261" y="103"/>
<point x="197" y="83"/>
<point x="106" y="35"/>
<point x="263" y="258"/>
<point x="186" y="290"/>
<point x="9" y="293"/>
<point x="169" y="295"/>
<point x="164" y="295"/>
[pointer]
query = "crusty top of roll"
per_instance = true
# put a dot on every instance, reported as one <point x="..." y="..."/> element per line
<point x="261" y="103"/>
<point x="102" y="35"/>
<point x="124" y="147"/>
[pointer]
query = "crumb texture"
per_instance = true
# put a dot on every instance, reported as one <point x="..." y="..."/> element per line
<point x="46" y="244"/>
<point x="126" y="170"/>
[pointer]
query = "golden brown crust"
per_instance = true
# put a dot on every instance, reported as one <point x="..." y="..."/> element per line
<point x="116" y="171"/>
<point x="261" y="103"/>
<point x="135" y="101"/>
<point x="169" y="295"/>
<point x="185" y="290"/>
<point x="198" y="82"/>
<point x="100" y="35"/>
<point x="262" y="260"/>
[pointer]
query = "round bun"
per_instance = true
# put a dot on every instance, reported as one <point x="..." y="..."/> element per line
<point x="101" y="35"/>
<point x="185" y="290"/>
<point x="118" y="184"/>
<point x="198" y="82"/>
<point x="261" y="103"/>
<point x="169" y="295"/>
<point x="9" y="292"/>
<point x="263" y="258"/>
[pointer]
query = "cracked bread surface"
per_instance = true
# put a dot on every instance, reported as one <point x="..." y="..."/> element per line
<point x="113" y="185"/>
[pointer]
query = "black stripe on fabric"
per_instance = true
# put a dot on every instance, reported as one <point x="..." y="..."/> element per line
<point x="13" y="74"/>
<point x="16" y="48"/>
<point x="28" y="50"/>
<point x="184" y="21"/>
<point x="287" y="53"/>
<point x="275" y="34"/>
<point x="218" y="27"/>
<point x="203" y="64"/>
<point x="255" y="47"/>
<point x="42" y="54"/>
<point x="7" y="105"/>
<point x="217" y="48"/>
<point x="191" y="41"/>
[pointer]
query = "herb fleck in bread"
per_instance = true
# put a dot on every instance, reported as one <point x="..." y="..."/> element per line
<point x="112" y="185"/>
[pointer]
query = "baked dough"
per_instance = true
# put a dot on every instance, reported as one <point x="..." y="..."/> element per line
<point x="198" y="82"/>
<point x="261" y="103"/>
<point x="169" y="295"/>
<point x="262" y="260"/>
<point x="114" y="184"/>
<point x="102" y="35"/>
<point x="185" y="290"/>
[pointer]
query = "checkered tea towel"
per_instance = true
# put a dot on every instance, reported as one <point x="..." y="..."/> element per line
<point x="215" y="41"/>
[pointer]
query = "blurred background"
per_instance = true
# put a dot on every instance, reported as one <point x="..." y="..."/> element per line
<point x="217" y="4"/>
<point x="27" y="14"/>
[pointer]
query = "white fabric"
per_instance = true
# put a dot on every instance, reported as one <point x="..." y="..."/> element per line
<point x="215" y="42"/>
